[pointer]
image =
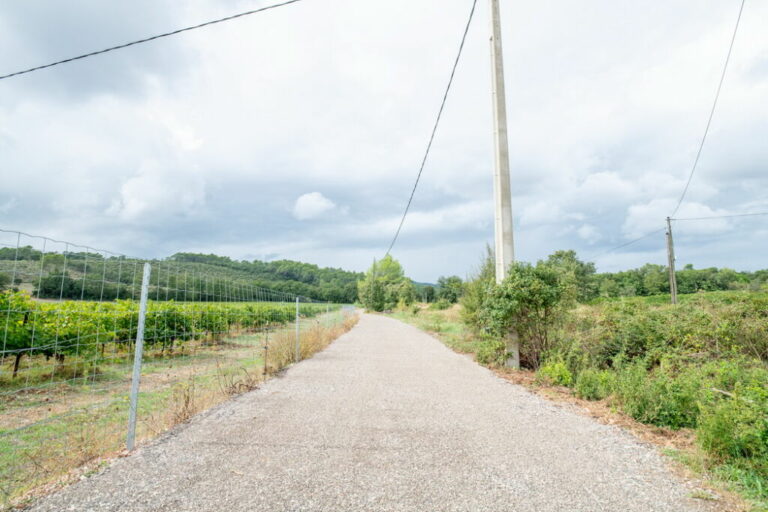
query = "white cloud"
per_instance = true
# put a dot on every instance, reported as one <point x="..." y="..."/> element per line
<point x="644" y="218"/>
<point x="156" y="194"/>
<point x="588" y="233"/>
<point x="312" y="205"/>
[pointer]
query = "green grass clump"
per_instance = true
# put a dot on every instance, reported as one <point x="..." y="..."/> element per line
<point x="440" y="305"/>
<point x="557" y="373"/>
<point x="664" y="396"/>
<point x="491" y="352"/>
<point x="592" y="384"/>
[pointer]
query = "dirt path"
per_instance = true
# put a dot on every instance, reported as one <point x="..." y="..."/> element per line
<point x="387" y="418"/>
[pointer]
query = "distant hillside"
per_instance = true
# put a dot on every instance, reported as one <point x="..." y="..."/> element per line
<point x="333" y="284"/>
<point x="57" y="276"/>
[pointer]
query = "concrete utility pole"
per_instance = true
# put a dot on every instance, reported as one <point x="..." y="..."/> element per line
<point x="505" y="252"/>
<point x="671" y="262"/>
<point x="504" y="243"/>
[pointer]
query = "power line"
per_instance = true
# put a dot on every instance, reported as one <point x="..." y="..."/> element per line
<point x="725" y="216"/>
<point x="147" y="39"/>
<point x="625" y="244"/>
<point x="688" y="218"/>
<point x="434" y="128"/>
<point x="712" y="112"/>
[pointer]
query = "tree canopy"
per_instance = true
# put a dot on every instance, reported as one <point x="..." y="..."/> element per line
<point x="385" y="286"/>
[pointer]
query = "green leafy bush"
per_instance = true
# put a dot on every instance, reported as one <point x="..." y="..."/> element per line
<point x="594" y="384"/>
<point x="736" y="424"/>
<point x="556" y="373"/>
<point x="664" y="396"/>
<point x="491" y="352"/>
<point x="440" y="305"/>
<point x="530" y="301"/>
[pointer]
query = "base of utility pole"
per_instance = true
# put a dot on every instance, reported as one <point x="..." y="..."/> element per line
<point x="512" y="344"/>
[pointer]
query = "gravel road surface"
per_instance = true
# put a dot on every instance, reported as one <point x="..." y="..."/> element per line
<point x="386" y="419"/>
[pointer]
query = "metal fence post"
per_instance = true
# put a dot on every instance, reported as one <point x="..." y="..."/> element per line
<point x="298" y="339"/>
<point x="137" y="355"/>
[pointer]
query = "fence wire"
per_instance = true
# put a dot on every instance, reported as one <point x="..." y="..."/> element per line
<point x="69" y="316"/>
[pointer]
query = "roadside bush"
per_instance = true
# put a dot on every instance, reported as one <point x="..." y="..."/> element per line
<point x="476" y="289"/>
<point x="736" y="424"/>
<point x="435" y="322"/>
<point x="594" y="384"/>
<point x="530" y="301"/>
<point x="491" y="352"/>
<point x="665" y="396"/>
<point x="440" y="305"/>
<point x="557" y="373"/>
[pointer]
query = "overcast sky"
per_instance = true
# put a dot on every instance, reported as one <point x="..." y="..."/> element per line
<point x="297" y="133"/>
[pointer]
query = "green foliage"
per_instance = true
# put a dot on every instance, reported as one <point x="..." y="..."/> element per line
<point x="701" y="364"/>
<point x="476" y="289"/>
<point x="715" y="324"/>
<point x="449" y="289"/>
<point x="385" y="285"/>
<point x="530" y="301"/>
<point x="5" y="280"/>
<point x="491" y="352"/>
<point x="651" y="280"/>
<point x="592" y="384"/>
<point x="440" y="305"/>
<point x="577" y="276"/>
<point x="63" y="276"/>
<point x="557" y="373"/>
<point x="57" y="329"/>
<point x="735" y="425"/>
<point x="22" y="253"/>
<point x="666" y="396"/>
<point x="406" y="293"/>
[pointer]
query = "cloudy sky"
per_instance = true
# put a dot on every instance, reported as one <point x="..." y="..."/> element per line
<point x="297" y="133"/>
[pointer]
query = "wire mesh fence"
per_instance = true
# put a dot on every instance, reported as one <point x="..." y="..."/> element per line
<point x="72" y="324"/>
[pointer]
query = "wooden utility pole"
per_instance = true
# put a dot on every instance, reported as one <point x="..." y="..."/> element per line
<point x="504" y="243"/>
<point x="671" y="262"/>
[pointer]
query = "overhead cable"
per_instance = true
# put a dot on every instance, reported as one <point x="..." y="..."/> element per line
<point x="148" y="39"/>
<point x="711" y="113"/>
<point x="725" y="216"/>
<point x="434" y="128"/>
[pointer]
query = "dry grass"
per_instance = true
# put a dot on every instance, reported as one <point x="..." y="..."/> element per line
<point x="239" y="383"/>
<point x="281" y="350"/>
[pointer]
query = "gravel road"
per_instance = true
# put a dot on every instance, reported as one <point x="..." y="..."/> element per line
<point x="386" y="419"/>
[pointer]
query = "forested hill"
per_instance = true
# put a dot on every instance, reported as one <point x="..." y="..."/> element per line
<point x="332" y="284"/>
<point x="59" y="275"/>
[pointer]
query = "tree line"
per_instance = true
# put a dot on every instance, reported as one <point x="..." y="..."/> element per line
<point x="187" y="276"/>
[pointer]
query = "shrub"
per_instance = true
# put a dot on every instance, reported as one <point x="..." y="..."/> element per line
<point x="435" y="322"/>
<point x="440" y="305"/>
<point x="664" y="396"/>
<point x="594" y="384"/>
<point x="476" y="290"/>
<point x="491" y="352"/>
<point x="530" y="301"/>
<point x="556" y="373"/>
<point x="736" y="424"/>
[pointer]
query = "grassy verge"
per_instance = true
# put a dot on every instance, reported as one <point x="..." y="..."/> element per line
<point x="58" y="433"/>
<point x="703" y="411"/>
